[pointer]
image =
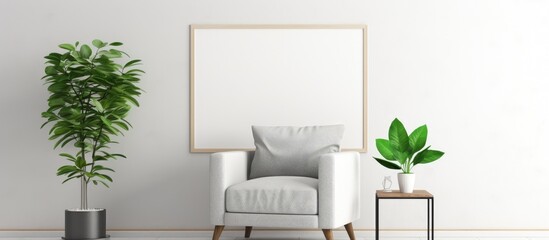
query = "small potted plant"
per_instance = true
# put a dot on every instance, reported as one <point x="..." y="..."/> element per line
<point x="90" y="97"/>
<point x="402" y="152"/>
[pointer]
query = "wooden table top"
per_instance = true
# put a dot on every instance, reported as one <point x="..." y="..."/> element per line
<point x="398" y="194"/>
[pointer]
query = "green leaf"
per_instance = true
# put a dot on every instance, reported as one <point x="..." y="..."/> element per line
<point x="128" y="123"/>
<point x="127" y="55"/>
<point x="57" y="87"/>
<point x="105" y="121"/>
<point x="50" y="70"/>
<point x="85" y="51"/>
<point x="108" y="126"/>
<point x="76" y="55"/>
<point x="101" y="168"/>
<point x="122" y="125"/>
<point x="98" y="106"/>
<point x="56" y="102"/>
<point x="132" y="100"/>
<point x="68" y="156"/>
<point x="74" y="173"/>
<point x="103" y="183"/>
<point x="70" y="178"/>
<point x="64" y="139"/>
<point x="398" y="136"/>
<point x="54" y="56"/>
<point x="387" y="164"/>
<point x="67" y="46"/>
<point x="61" y="130"/>
<point x="80" y="162"/>
<point x="108" y="169"/>
<point x="384" y="148"/>
<point x="98" y="43"/>
<point x="132" y="63"/>
<point x="135" y="71"/>
<point x="44" y="124"/>
<point x="66" y="169"/>
<point x="418" y="138"/>
<point x="67" y="141"/>
<point x="419" y="156"/>
<point x="114" y="53"/>
<point x="105" y="177"/>
<point x="99" y="158"/>
<point x="116" y="44"/>
<point x="427" y="156"/>
<point x="47" y="114"/>
<point x="118" y="155"/>
<point x="401" y="156"/>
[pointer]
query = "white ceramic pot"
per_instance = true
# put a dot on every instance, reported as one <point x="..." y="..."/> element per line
<point x="406" y="182"/>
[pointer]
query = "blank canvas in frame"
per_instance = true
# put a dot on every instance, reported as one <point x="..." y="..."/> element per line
<point x="276" y="75"/>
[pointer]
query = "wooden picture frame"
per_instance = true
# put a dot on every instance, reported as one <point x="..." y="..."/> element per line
<point x="298" y="75"/>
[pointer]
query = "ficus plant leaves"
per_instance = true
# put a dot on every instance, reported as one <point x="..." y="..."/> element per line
<point x="67" y="46"/>
<point x="91" y="93"/>
<point x="98" y="43"/>
<point x="85" y="51"/>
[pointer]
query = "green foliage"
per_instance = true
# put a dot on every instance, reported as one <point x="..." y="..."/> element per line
<point x="403" y="151"/>
<point x="90" y="97"/>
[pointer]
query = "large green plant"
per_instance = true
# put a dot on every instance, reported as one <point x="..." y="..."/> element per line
<point x="90" y="97"/>
<point x="403" y="151"/>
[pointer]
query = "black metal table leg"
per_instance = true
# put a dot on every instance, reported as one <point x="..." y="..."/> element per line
<point x="433" y="218"/>
<point x="428" y="218"/>
<point x="377" y="218"/>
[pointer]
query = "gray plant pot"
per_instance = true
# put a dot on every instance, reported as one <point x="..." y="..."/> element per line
<point x="85" y="224"/>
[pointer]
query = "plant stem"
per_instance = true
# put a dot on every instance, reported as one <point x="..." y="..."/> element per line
<point x="83" y="193"/>
<point x="95" y="146"/>
<point x="83" y="181"/>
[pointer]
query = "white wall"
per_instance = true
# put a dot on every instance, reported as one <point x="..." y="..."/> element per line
<point x="475" y="71"/>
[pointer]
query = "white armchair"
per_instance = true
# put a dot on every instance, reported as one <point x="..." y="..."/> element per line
<point x="329" y="202"/>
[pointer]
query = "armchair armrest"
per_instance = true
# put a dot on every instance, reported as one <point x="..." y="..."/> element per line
<point x="338" y="189"/>
<point x="226" y="169"/>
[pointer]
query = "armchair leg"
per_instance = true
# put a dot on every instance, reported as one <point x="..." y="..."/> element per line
<point x="217" y="232"/>
<point x="248" y="231"/>
<point x="328" y="234"/>
<point x="350" y="231"/>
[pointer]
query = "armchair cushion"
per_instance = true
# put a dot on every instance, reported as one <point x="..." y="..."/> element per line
<point x="274" y="195"/>
<point x="292" y="151"/>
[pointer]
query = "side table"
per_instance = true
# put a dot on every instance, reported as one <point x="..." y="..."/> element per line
<point x="417" y="194"/>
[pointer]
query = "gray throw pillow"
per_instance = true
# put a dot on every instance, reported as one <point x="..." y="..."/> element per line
<point x="292" y="151"/>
